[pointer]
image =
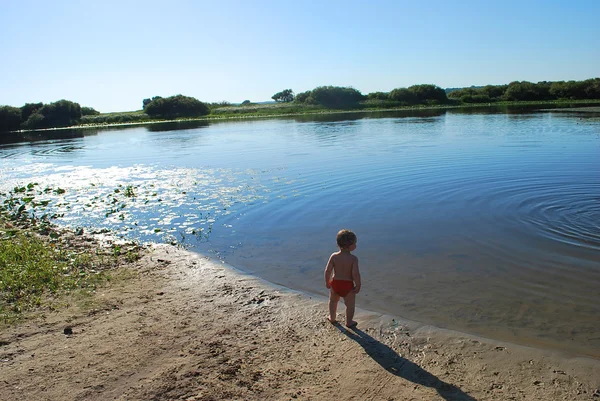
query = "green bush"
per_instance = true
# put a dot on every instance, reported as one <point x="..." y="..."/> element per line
<point x="333" y="97"/>
<point x="62" y="113"/>
<point x="176" y="106"/>
<point x="378" y="96"/>
<point x="89" y="111"/>
<point x="28" y="109"/>
<point x="302" y="97"/>
<point x="403" y="96"/>
<point x="10" y="118"/>
<point x="285" y="96"/>
<point x="428" y="93"/>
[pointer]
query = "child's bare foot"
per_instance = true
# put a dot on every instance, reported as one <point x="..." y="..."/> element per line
<point x="332" y="321"/>
<point x="351" y="324"/>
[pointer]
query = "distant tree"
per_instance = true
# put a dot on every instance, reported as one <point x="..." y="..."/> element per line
<point x="176" y="106"/>
<point x="542" y="90"/>
<point x="10" y="118"/>
<point x="475" y="99"/>
<point x="403" y="95"/>
<point x="302" y="97"/>
<point x="58" y="114"/>
<point x="521" y="91"/>
<point x="428" y="93"/>
<point x="335" y="97"/>
<point x="30" y="108"/>
<point x="378" y="96"/>
<point x="493" y="91"/>
<point x="147" y="101"/>
<point x="592" y="88"/>
<point x="571" y="89"/>
<point x="36" y="120"/>
<point x="285" y="96"/>
<point x="462" y="92"/>
<point x="246" y="103"/>
<point x="89" y="111"/>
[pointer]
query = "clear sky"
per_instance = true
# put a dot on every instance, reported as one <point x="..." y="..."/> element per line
<point x="110" y="55"/>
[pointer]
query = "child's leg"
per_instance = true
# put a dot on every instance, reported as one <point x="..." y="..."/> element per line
<point x="350" y="301"/>
<point x="333" y="302"/>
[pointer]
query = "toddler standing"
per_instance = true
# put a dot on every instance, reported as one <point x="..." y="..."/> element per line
<point x="342" y="277"/>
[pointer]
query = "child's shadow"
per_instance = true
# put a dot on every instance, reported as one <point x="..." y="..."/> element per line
<point x="401" y="367"/>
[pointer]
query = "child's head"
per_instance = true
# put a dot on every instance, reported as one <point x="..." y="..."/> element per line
<point x="345" y="239"/>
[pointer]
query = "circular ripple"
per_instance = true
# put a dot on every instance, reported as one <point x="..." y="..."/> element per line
<point x="568" y="213"/>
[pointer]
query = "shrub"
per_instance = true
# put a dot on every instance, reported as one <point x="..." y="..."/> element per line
<point x="58" y="114"/>
<point x="334" y="97"/>
<point x="403" y="95"/>
<point x="176" y="106"/>
<point x="285" y="96"/>
<point x="378" y="96"/>
<point x="88" y="111"/>
<point x="10" y="118"/>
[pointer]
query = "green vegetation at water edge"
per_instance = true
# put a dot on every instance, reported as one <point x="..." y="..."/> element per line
<point x="40" y="264"/>
<point x="65" y="113"/>
<point x="33" y="273"/>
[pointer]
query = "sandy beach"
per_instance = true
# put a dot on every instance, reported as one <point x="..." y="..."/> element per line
<point x="184" y="327"/>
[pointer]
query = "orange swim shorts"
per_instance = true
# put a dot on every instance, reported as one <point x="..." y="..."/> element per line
<point x="342" y="287"/>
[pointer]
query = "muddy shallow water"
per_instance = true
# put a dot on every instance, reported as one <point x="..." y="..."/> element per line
<point x="486" y="223"/>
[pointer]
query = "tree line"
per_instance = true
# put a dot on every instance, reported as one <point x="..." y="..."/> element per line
<point x="62" y="113"/>
<point x="347" y="97"/>
<point x="65" y="113"/>
<point x="529" y="91"/>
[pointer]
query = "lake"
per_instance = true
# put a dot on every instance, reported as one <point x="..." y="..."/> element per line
<point x="486" y="222"/>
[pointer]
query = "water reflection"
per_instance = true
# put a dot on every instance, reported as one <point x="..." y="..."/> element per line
<point x="48" y="135"/>
<point x="176" y="126"/>
<point x="368" y="115"/>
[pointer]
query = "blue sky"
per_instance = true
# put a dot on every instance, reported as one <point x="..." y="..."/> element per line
<point x="110" y="55"/>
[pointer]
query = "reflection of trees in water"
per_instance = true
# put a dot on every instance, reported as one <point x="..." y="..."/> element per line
<point x="37" y="136"/>
<point x="372" y="114"/>
<point x="329" y="129"/>
<point x="512" y="110"/>
<point x="176" y="135"/>
<point x="176" y="125"/>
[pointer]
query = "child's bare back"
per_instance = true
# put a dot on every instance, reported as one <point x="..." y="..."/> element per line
<point x="343" y="263"/>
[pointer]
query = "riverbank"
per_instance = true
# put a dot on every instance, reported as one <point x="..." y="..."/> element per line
<point x="279" y="110"/>
<point x="183" y="326"/>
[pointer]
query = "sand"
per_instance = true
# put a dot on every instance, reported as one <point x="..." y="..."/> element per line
<point x="184" y="327"/>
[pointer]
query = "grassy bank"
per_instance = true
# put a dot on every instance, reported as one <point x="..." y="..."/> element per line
<point x="275" y="110"/>
<point x="42" y="264"/>
<point x="293" y="109"/>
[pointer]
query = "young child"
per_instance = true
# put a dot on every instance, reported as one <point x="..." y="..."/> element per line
<point x="342" y="277"/>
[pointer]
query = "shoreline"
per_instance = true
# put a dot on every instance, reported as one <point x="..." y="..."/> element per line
<point x="414" y="325"/>
<point x="234" y="117"/>
<point x="185" y="326"/>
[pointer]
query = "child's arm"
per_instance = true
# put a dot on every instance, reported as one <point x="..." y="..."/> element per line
<point x="356" y="276"/>
<point x="328" y="271"/>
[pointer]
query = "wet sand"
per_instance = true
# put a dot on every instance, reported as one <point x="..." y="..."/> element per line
<point x="186" y="327"/>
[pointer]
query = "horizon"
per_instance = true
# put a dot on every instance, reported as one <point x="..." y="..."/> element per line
<point x="112" y="55"/>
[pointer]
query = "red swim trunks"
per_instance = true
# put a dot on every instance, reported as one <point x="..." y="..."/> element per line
<point x="342" y="287"/>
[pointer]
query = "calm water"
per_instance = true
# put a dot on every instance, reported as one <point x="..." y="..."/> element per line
<point x="486" y="223"/>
